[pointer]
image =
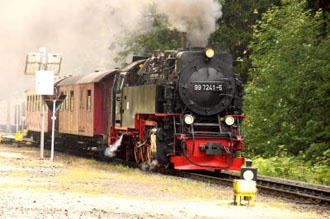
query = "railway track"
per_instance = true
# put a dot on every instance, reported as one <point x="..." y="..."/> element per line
<point x="304" y="192"/>
<point x="300" y="191"/>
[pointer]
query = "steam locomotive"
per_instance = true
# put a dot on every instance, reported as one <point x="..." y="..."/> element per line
<point x="179" y="109"/>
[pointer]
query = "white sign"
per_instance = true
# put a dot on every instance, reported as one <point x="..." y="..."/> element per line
<point x="34" y="60"/>
<point x="45" y="82"/>
<point x="54" y="61"/>
<point x="32" y="63"/>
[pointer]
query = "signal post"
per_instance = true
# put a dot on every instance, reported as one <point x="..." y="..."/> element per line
<point x="44" y="66"/>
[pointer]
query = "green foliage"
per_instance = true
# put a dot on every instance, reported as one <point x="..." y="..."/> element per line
<point x="287" y="101"/>
<point x="236" y="28"/>
<point x="293" y="168"/>
<point x="158" y="36"/>
<point x="233" y="34"/>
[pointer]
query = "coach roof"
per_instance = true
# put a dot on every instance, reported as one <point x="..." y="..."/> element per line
<point x="94" y="77"/>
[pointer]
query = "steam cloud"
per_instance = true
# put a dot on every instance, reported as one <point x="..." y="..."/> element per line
<point x="82" y="31"/>
<point x="149" y="166"/>
<point x="111" y="151"/>
<point x="195" y="17"/>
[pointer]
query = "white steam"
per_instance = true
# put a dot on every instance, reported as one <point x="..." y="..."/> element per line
<point x="112" y="150"/>
<point x="195" y="17"/>
<point x="82" y="31"/>
<point x="149" y="165"/>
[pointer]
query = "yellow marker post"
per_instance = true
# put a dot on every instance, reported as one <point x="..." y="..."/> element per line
<point x="244" y="188"/>
<point x="19" y="136"/>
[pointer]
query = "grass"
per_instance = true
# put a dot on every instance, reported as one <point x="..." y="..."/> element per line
<point x="293" y="168"/>
<point x="81" y="174"/>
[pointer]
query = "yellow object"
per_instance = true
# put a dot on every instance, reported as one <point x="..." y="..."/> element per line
<point x="19" y="136"/>
<point x="25" y="131"/>
<point x="0" y="139"/>
<point x="246" y="189"/>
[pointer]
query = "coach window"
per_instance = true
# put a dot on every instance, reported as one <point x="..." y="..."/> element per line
<point x="120" y="81"/>
<point x="66" y="103"/>
<point x="32" y="103"/>
<point x="39" y="103"/>
<point x="89" y="100"/>
<point x="71" y="100"/>
<point x="35" y="107"/>
<point x="35" y="103"/>
<point x="82" y="99"/>
<point x="62" y="105"/>
<point x="27" y="103"/>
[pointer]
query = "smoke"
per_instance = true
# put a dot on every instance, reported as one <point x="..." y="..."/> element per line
<point x="82" y="31"/>
<point x="149" y="165"/>
<point x="111" y="151"/>
<point x="195" y="17"/>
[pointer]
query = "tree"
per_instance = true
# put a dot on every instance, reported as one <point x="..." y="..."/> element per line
<point x="157" y="37"/>
<point x="236" y="29"/>
<point x="233" y="34"/>
<point x="287" y="100"/>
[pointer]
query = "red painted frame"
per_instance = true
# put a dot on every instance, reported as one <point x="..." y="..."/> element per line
<point x="181" y="161"/>
<point x="204" y="161"/>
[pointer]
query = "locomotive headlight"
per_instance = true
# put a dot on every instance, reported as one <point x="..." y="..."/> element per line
<point x="229" y="120"/>
<point x="209" y="53"/>
<point x="188" y="119"/>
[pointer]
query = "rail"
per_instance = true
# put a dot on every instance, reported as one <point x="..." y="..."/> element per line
<point x="305" y="192"/>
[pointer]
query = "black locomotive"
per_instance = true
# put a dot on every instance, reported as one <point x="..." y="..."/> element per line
<point x="182" y="108"/>
<point x="193" y="81"/>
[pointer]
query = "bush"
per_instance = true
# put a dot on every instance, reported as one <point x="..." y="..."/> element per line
<point x="293" y="168"/>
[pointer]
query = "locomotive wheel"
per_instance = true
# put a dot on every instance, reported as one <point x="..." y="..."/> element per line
<point x="142" y="153"/>
<point x="146" y="153"/>
<point x="137" y="153"/>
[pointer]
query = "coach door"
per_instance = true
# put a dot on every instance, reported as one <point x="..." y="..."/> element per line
<point x="85" y="112"/>
<point x="120" y="79"/>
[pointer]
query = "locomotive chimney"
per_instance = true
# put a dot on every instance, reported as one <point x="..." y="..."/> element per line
<point x="183" y="40"/>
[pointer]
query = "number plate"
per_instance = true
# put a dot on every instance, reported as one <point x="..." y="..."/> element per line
<point x="208" y="87"/>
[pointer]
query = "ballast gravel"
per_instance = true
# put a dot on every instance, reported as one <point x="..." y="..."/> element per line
<point x="72" y="187"/>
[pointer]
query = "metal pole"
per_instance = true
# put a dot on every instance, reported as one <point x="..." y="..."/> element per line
<point x="42" y="134"/>
<point x="42" y="129"/>
<point x="16" y="116"/>
<point x="53" y="130"/>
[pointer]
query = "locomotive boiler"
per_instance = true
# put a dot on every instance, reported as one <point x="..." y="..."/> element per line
<point x="180" y="108"/>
